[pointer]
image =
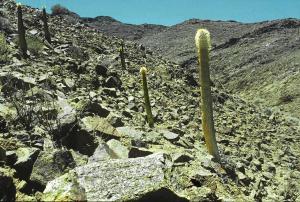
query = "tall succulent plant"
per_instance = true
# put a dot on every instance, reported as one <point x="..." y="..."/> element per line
<point x="46" y="28"/>
<point x="122" y="55"/>
<point x="21" y="32"/>
<point x="150" y="119"/>
<point x="202" y="39"/>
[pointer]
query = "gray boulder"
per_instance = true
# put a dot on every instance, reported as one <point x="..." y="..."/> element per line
<point x="118" y="180"/>
<point x="50" y="165"/>
<point x="25" y="157"/>
<point x="7" y="187"/>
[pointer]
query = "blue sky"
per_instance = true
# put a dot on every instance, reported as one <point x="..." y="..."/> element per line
<point x="169" y="12"/>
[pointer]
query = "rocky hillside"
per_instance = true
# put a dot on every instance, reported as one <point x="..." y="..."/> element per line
<point x="73" y="126"/>
<point x="116" y="28"/>
<point x="258" y="61"/>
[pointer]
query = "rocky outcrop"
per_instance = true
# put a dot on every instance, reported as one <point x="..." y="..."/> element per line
<point x="104" y="181"/>
<point x="51" y="164"/>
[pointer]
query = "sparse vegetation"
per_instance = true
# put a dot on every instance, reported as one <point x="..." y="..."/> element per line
<point x="286" y="98"/>
<point x="35" y="44"/>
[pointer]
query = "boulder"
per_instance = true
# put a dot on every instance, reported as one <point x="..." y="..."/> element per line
<point x="50" y="165"/>
<point x="65" y="188"/>
<point x="113" y="82"/>
<point x="102" y="153"/>
<point x="118" y="148"/>
<point x="97" y="109"/>
<point x="170" y="135"/>
<point x="99" y="125"/>
<point x="101" y="70"/>
<point x="115" y="120"/>
<point x="26" y="157"/>
<point x="104" y="181"/>
<point x="130" y="132"/>
<point x="7" y="187"/>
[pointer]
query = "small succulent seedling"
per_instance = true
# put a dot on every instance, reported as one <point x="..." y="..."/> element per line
<point x="202" y="39"/>
<point x="122" y="55"/>
<point x="46" y="28"/>
<point x="21" y="31"/>
<point x="150" y="119"/>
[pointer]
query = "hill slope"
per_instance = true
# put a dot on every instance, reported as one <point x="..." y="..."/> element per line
<point x="72" y="109"/>
<point x="258" y="61"/>
<point x="116" y="28"/>
<point x="247" y="58"/>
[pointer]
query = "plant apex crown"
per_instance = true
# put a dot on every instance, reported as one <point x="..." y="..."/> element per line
<point x="143" y="70"/>
<point x="202" y="39"/>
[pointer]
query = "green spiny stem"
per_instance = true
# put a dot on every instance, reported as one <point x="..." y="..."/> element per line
<point x="21" y="32"/>
<point x="46" y="28"/>
<point x="203" y="45"/>
<point x="122" y="55"/>
<point x="150" y="119"/>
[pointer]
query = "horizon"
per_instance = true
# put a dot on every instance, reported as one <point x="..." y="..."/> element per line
<point x="154" y="12"/>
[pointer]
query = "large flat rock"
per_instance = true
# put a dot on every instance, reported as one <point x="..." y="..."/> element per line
<point x="119" y="180"/>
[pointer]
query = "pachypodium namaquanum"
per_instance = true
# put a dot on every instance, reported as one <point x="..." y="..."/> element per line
<point x="122" y="55"/>
<point x="21" y="32"/>
<point x="150" y="119"/>
<point x="203" y="45"/>
<point x="46" y="28"/>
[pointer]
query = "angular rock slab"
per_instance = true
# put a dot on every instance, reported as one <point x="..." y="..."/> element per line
<point x="65" y="188"/>
<point x="51" y="164"/>
<point x="117" y="180"/>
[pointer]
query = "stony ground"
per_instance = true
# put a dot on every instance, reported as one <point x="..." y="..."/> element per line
<point x="257" y="61"/>
<point x="73" y="126"/>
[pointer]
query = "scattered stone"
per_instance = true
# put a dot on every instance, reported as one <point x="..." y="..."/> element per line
<point x="70" y="83"/>
<point x="97" y="109"/>
<point x="118" y="149"/>
<point x="65" y="188"/>
<point x="101" y="70"/>
<point x="257" y="163"/>
<point x="50" y="165"/>
<point x="130" y="132"/>
<point x="243" y="178"/>
<point x="182" y="158"/>
<point x="127" y="113"/>
<point x="99" y="125"/>
<point x="3" y="124"/>
<point x="7" y="187"/>
<point x="26" y="157"/>
<point x="136" y="152"/>
<point x="115" y="120"/>
<point x="170" y="135"/>
<point x="240" y="167"/>
<point x="79" y="158"/>
<point x="11" y="158"/>
<point x="113" y="82"/>
<point x="144" y="177"/>
<point x="102" y="153"/>
<point x="110" y="91"/>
